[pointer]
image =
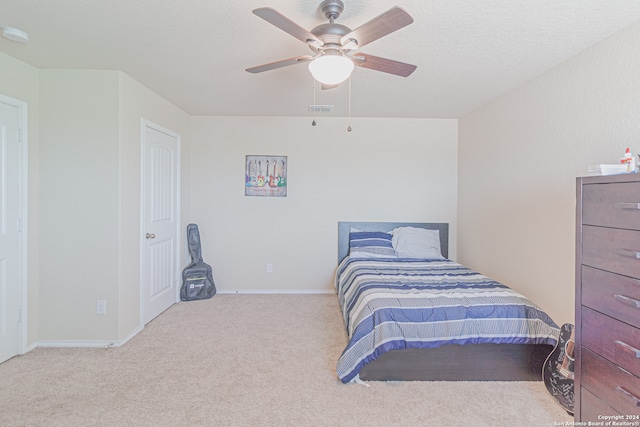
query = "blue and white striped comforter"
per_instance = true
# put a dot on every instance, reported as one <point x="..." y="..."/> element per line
<point x="391" y="304"/>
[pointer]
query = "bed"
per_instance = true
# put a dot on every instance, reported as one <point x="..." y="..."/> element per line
<point x="413" y="314"/>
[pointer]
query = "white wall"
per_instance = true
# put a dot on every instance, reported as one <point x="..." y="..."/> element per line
<point x="90" y="201"/>
<point x="384" y="170"/>
<point x="515" y="159"/>
<point x="79" y="209"/>
<point x="21" y="81"/>
<point x="84" y="187"/>
<point x="519" y="158"/>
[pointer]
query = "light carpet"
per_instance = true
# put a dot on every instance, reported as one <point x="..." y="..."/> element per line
<point x="245" y="360"/>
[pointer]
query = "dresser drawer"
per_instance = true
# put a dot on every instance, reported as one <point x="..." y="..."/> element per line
<point x="612" y="294"/>
<point x="611" y="339"/>
<point x="591" y="407"/>
<point x="612" y="250"/>
<point x="612" y="205"/>
<point x="617" y="387"/>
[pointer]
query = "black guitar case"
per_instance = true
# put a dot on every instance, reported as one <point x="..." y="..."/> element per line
<point x="558" y="370"/>
<point x="197" y="277"/>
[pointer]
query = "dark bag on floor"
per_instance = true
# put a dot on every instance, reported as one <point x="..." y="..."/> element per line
<point x="197" y="277"/>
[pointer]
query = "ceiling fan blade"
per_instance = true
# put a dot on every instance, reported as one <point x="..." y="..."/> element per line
<point x="382" y="64"/>
<point x="280" y="64"/>
<point x="274" y="17"/>
<point x="327" y="87"/>
<point x="390" y="21"/>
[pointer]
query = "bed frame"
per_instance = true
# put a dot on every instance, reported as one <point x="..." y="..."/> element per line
<point x="472" y="362"/>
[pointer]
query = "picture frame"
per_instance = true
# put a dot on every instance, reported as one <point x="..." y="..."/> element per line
<point x="265" y="176"/>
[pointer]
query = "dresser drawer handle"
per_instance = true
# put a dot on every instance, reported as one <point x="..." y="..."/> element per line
<point x="627" y="252"/>
<point x="621" y="205"/>
<point x="630" y="395"/>
<point x="626" y="300"/>
<point x="626" y="347"/>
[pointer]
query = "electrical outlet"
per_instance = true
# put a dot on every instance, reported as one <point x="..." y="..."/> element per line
<point x="269" y="268"/>
<point x="101" y="306"/>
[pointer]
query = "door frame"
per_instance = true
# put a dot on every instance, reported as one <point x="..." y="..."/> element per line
<point x="144" y="123"/>
<point x="22" y="215"/>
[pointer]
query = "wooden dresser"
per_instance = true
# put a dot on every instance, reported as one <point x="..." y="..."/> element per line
<point x="607" y="349"/>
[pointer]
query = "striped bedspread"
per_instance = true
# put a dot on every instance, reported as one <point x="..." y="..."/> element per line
<point x="391" y="304"/>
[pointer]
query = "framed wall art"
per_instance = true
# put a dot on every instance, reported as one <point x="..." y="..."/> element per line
<point x="265" y="176"/>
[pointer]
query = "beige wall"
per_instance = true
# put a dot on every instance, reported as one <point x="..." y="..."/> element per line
<point x="518" y="160"/>
<point x="21" y="81"/>
<point x="78" y="204"/>
<point x="384" y="170"/>
<point x="85" y="194"/>
<point x="506" y="184"/>
<point x="90" y="201"/>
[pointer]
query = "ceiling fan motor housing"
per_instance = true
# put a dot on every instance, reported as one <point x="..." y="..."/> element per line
<point x="330" y="34"/>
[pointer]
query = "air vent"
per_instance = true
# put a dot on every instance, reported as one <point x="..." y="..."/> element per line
<point x="320" y="108"/>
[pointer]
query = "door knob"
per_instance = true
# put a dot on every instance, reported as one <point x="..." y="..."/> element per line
<point x="151" y="236"/>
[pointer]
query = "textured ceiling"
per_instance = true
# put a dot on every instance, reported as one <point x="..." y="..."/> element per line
<point x="194" y="52"/>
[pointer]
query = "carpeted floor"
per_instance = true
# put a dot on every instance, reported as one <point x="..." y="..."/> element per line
<point x="245" y="360"/>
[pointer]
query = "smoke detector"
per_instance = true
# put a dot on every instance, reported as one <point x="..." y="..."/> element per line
<point x="15" y="34"/>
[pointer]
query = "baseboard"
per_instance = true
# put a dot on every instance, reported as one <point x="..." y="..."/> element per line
<point x="278" y="291"/>
<point x="119" y="343"/>
<point x="88" y="343"/>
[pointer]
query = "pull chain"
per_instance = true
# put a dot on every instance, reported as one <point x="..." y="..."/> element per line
<point x="313" y="123"/>
<point x="349" y="123"/>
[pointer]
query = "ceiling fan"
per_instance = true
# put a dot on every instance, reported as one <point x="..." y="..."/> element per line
<point x="333" y="44"/>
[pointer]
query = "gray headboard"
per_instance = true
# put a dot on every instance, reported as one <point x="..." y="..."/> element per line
<point x="343" y="233"/>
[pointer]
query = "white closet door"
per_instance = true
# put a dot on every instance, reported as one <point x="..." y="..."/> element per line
<point x="160" y="222"/>
<point x="10" y="226"/>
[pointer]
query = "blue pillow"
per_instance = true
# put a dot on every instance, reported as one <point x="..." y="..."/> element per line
<point x="371" y="244"/>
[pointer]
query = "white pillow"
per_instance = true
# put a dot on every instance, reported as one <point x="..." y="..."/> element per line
<point x="411" y="242"/>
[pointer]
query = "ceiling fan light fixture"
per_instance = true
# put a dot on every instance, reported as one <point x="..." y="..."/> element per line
<point x="331" y="69"/>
